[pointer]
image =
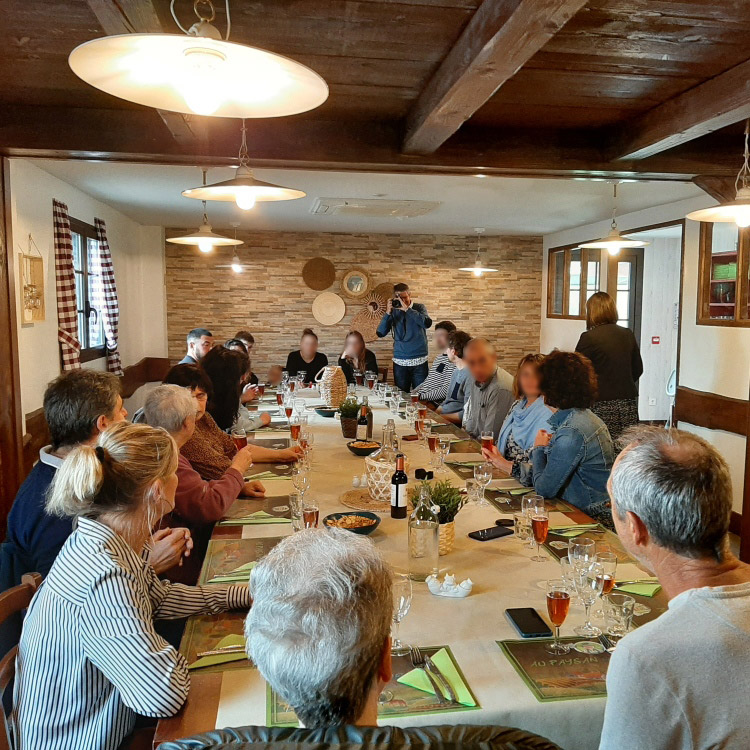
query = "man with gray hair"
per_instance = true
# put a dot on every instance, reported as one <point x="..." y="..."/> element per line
<point x="671" y="501"/>
<point x="319" y="627"/>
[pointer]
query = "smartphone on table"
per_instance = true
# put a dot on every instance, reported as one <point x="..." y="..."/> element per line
<point x="494" y="532"/>
<point x="528" y="622"/>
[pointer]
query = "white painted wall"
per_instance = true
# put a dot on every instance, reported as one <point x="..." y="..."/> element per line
<point x="137" y="255"/>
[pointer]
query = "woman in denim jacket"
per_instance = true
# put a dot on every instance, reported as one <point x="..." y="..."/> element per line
<point x="574" y="460"/>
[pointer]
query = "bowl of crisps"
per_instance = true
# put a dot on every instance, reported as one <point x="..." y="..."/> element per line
<point x="358" y="521"/>
<point x="363" y="447"/>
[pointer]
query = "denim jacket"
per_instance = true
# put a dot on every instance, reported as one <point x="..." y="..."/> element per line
<point x="576" y="464"/>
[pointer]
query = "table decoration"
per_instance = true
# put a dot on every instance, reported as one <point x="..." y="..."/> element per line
<point x="448" y="587"/>
<point x="205" y="632"/>
<point x="319" y="273"/>
<point x="449" y="501"/>
<point x="362" y="499"/>
<point x="332" y="384"/>
<point x="349" y="411"/>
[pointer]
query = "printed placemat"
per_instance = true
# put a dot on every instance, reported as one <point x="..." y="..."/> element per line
<point x="244" y="507"/>
<point x="279" y="443"/>
<point x="570" y="676"/>
<point x="204" y="632"/>
<point x="223" y="556"/>
<point x="557" y="544"/>
<point x="512" y="503"/>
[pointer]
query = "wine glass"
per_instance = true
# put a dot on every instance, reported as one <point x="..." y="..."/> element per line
<point x="402" y="593"/>
<point x="540" y="529"/>
<point x="582" y="551"/>
<point x="300" y="479"/>
<point x="299" y="406"/>
<point x="483" y="475"/>
<point x="589" y="581"/>
<point x="558" y="604"/>
<point x="444" y="449"/>
<point x="608" y="561"/>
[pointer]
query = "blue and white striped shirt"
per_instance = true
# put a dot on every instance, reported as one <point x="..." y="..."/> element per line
<point x="89" y="658"/>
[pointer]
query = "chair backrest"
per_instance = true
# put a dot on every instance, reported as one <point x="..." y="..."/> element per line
<point x="13" y="602"/>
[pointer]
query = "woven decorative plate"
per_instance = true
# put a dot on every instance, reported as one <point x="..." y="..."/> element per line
<point x="319" y="274"/>
<point x="384" y="291"/>
<point x="367" y="319"/>
<point x="328" y="308"/>
<point x="361" y="500"/>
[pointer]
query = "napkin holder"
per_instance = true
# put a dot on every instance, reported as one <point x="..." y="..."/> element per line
<point x="448" y="587"/>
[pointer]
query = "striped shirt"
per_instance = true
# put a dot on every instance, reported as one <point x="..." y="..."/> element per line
<point x="435" y="386"/>
<point x="89" y="658"/>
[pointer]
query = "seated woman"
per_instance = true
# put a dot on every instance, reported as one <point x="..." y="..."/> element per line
<point x="526" y="417"/>
<point x="89" y="658"/>
<point x="575" y="460"/>
<point x="249" y="379"/>
<point x="356" y="356"/>
<point x="211" y="450"/>
<point x="307" y="358"/>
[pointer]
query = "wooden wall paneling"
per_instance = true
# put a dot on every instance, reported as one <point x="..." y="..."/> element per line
<point x="712" y="411"/>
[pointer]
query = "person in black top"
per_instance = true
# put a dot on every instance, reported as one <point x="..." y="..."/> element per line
<point x="307" y="357"/>
<point x="357" y="356"/>
<point x="614" y="353"/>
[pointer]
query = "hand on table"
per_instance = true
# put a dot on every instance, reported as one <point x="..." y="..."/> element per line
<point x="249" y="393"/>
<point x="265" y="418"/>
<point x="542" y="439"/>
<point x="289" y="455"/>
<point x="170" y="547"/>
<point x="254" y="489"/>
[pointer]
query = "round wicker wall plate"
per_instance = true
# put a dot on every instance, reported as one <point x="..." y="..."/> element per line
<point x="384" y="291"/>
<point x="362" y="500"/>
<point x="328" y="308"/>
<point x="319" y="274"/>
<point x="355" y="283"/>
<point x="367" y="319"/>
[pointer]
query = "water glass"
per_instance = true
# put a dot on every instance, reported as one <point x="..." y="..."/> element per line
<point x="402" y="594"/>
<point x="483" y="475"/>
<point x="618" y="611"/>
<point x="473" y="491"/>
<point x="295" y="511"/>
<point x="444" y="449"/>
<point x="529" y="501"/>
<point x="589" y="582"/>
<point x="310" y="515"/>
<point x="522" y="527"/>
<point x="582" y="552"/>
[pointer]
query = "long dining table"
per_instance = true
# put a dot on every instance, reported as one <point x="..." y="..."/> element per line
<point x="503" y="576"/>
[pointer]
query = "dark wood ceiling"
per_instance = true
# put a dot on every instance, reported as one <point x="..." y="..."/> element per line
<point x="516" y="86"/>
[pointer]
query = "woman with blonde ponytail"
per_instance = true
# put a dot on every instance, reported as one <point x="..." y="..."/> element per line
<point x="89" y="658"/>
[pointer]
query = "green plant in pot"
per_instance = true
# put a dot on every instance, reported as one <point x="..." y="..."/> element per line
<point x="349" y="411"/>
<point x="449" y="501"/>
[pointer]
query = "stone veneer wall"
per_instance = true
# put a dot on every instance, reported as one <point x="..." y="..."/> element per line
<point x="271" y="300"/>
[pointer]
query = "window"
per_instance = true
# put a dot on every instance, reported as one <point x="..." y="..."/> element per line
<point x="89" y="292"/>
<point x="724" y="278"/>
<point x="573" y="276"/>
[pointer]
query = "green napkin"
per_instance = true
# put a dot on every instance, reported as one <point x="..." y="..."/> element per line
<point x="211" y="661"/>
<point x="640" y="589"/>
<point x="520" y="491"/>
<point x="238" y="575"/>
<point x="570" y="533"/>
<point x="418" y="679"/>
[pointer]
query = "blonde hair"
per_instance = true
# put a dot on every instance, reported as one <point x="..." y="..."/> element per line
<point x="116" y="474"/>
<point x="600" y="310"/>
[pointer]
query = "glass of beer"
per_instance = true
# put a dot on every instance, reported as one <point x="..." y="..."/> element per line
<point x="310" y="515"/>
<point x="540" y="529"/>
<point x="292" y="382"/>
<point x="433" y="438"/>
<point x="280" y="397"/>
<point x="261" y="389"/>
<point x="558" y="604"/>
<point x="422" y="411"/>
<point x="359" y="377"/>
<point x="295" y="428"/>
<point x="239" y="436"/>
<point x="415" y="398"/>
<point x="487" y="440"/>
<point x="371" y="379"/>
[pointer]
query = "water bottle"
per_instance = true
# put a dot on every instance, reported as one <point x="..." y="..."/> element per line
<point x="424" y="529"/>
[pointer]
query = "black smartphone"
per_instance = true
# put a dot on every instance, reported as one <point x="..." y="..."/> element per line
<point x="528" y="623"/>
<point x="508" y="522"/>
<point x="494" y="532"/>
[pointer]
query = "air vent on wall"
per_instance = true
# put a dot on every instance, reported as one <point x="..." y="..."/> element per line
<point x="373" y="207"/>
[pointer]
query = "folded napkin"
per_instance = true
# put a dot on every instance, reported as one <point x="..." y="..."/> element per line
<point x="211" y="661"/>
<point x="569" y="532"/>
<point x="418" y="679"/>
<point x="240" y="574"/>
<point x="521" y="491"/>
<point x="260" y="516"/>
<point x="640" y="589"/>
<point x="267" y="475"/>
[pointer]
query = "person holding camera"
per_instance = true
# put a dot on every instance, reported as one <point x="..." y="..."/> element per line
<point x="407" y="321"/>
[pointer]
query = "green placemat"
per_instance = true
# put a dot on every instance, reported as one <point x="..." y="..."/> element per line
<point x="225" y="556"/>
<point x="204" y="632"/>
<point x="571" y="676"/>
<point x="217" y="659"/>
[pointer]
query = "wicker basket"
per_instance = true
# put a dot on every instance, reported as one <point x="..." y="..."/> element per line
<point x="332" y="383"/>
<point x="447" y="537"/>
<point x="379" y="475"/>
<point x="349" y="427"/>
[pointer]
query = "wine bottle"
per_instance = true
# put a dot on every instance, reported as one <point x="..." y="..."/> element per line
<point x="362" y="423"/>
<point x="399" y="480"/>
<point x="370" y="418"/>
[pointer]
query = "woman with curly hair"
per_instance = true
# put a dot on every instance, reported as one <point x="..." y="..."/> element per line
<point x="573" y="462"/>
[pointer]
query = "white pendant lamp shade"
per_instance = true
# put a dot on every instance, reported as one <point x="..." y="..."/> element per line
<point x="614" y="241"/>
<point x="478" y="269"/>
<point x="198" y="75"/>
<point x="243" y="188"/>
<point x="205" y="238"/>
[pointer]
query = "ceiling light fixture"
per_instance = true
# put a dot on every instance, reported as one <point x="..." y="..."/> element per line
<point x="737" y="210"/>
<point x="614" y="241"/>
<point x="198" y="72"/>
<point x="243" y="188"/>
<point x="204" y="236"/>
<point x="478" y="269"/>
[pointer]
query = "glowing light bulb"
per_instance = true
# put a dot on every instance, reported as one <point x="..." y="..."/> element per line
<point x="742" y="219"/>
<point x="477" y="272"/>
<point x="202" y="86"/>
<point x="614" y="250"/>
<point x="245" y="198"/>
<point x="205" y="246"/>
<point x="236" y="265"/>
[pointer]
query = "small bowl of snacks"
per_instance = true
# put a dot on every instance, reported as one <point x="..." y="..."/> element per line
<point x="358" y="521"/>
<point x="362" y="447"/>
<point x="326" y="411"/>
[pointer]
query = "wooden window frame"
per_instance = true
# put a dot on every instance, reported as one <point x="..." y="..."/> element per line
<point x="587" y="255"/>
<point x="86" y="231"/>
<point x="742" y="291"/>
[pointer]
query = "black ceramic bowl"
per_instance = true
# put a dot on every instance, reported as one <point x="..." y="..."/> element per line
<point x="351" y="445"/>
<point x="326" y="411"/>
<point x="365" y="530"/>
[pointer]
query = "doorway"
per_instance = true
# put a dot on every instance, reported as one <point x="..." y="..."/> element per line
<point x="625" y="286"/>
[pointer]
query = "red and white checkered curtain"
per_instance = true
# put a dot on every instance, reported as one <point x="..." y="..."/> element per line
<point x="65" y="281"/>
<point x="109" y="304"/>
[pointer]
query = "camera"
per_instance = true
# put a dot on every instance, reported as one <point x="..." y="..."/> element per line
<point x="396" y="303"/>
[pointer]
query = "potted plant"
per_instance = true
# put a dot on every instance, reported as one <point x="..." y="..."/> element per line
<point x="449" y="501"/>
<point x="349" y="411"/>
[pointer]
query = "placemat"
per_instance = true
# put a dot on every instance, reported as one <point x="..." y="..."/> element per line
<point x="506" y="503"/>
<point x="224" y="555"/>
<point x="264" y="471"/>
<point x="362" y="500"/>
<point x="279" y="443"/>
<point x="570" y="676"/>
<point x="395" y="700"/>
<point x="557" y="544"/>
<point x="203" y="633"/>
<point x="242" y="507"/>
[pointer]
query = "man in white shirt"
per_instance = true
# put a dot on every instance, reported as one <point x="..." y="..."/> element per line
<point x="682" y="680"/>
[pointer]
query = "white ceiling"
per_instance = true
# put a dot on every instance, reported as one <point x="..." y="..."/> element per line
<point x="150" y="194"/>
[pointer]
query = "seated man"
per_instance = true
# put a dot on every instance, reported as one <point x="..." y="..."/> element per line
<point x="452" y="408"/>
<point x="680" y="681"/>
<point x="489" y="390"/>
<point x="434" y="388"/>
<point x="275" y="375"/>
<point x="200" y="341"/>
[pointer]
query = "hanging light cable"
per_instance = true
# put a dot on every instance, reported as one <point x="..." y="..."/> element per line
<point x="614" y="241"/>
<point x="737" y="210"/>
<point x="243" y="188"/>
<point x="478" y="269"/>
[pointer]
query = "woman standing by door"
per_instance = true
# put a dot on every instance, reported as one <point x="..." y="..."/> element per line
<point x="617" y="362"/>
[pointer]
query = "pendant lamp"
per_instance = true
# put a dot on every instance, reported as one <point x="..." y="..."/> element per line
<point x="614" y="241"/>
<point x="737" y="210"/>
<point x="198" y="72"/>
<point x="243" y="188"/>
<point x="236" y="264"/>
<point x="478" y="269"/>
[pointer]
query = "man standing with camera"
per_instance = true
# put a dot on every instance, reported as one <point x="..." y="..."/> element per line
<point x="408" y="322"/>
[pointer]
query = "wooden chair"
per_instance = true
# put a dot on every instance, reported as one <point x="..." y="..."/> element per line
<point x="12" y="602"/>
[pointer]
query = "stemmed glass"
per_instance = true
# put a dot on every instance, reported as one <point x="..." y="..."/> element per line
<point x="608" y="561"/>
<point x="444" y="449"/>
<point x="483" y="475"/>
<point x="582" y="552"/>
<point x="289" y="405"/>
<point x="300" y="480"/>
<point x="540" y="529"/>
<point x="589" y="582"/>
<point x="402" y="593"/>
<point x="558" y="604"/>
<point x="299" y="406"/>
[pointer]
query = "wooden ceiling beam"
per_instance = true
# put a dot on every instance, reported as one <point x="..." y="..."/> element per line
<point x="710" y="106"/>
<point x="722" y="189"/>
<point x="498" y="40"/>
